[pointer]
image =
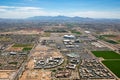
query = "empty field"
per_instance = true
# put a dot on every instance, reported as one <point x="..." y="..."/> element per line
<point x="5" y="74"/>
<point x="114" y="66"/>
<point x="17" y="49"/>
<point x="5" y="39"/>
<point x="106" y="54"/>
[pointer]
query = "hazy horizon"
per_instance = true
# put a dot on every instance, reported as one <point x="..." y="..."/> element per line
<point x="21" y="9"/>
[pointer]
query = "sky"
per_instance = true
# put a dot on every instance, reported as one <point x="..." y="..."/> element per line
<point x="81" y="8"/>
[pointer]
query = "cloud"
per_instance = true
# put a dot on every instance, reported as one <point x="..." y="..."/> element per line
<point x="19" y="8"/>
<point x="96" y="14"/>
<point x="5" y="7"/>
<point x="24" y="12"/>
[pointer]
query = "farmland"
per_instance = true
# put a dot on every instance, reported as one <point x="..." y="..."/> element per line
<point x="112" y="60"/>
<point x="113" y="39"/>
<point x="114" y="66"/>
<point x="106" y="54"/>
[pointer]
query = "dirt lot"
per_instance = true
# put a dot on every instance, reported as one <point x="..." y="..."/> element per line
<point x="17" y="49"/>
<point x="30" y="64"/>
<point x="32" y="74"/>
<point x="42" y="51"/>
<point x="28" y="32"/>
<point x="117" y="38"/>
<point x="40" y="48"/>
<point x="39" y="74"/>
<point x="36" y="75"/>
<point x="6" y="74"/>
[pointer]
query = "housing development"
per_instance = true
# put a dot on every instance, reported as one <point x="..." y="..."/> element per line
<point x="59" y="39"/>
<point x="60" y="51"/>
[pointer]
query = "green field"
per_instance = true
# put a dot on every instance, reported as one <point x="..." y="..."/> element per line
<point x="109" y="35"/>
<point x="110" y="60"/>
<point x="119" y="41"/>
<point x="111" y="41"/>
<point x="22" y="45"/>
<point x="106" y="54"/>
<point x="76" y="32"/>
<point x="106" y="38"/>
<point x="114" y="66"/>
<point x="27" y="49"/>
<point x="15" y="63"/>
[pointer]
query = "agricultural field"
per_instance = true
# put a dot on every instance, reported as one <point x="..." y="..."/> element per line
<point x="113" y="39"/>
<point x="109" y="35"/>
<point x="106" y="54"/>
<point x="113" y="65"/>
<point x="112" y="60"/>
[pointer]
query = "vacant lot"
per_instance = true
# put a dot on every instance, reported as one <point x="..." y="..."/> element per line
<point x="106" y="54"/>
<point x="5" y="74"/>
<point x="36" y="75"/>
<point x="114" y="66"/>
<point x="5" y="39"/>
<point x="17" y="49"/>
<point x="46" y="34"/>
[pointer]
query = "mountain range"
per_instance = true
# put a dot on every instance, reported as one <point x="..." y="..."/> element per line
<point x="61" y="19"/>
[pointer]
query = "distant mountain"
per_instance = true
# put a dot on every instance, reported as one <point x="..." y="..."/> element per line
<point x="70" y="19"/>
<point x="60" y="19"/>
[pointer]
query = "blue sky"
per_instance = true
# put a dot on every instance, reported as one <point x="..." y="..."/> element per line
<point x="82" y="8"/>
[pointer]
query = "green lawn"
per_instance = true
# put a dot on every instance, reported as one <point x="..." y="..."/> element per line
<point x="27" y="49"/>
<point x="114" y="66"/>
<point x="119" y="41"/>
<point x="15" y="63"/>
<point x="111" y="41"/>
<point x="106" y="54"/>
<point x="76" y="32"/>
<point x="22" y="45"/>
<point x="109" y="35"/>
<point x="105" y="38"/>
